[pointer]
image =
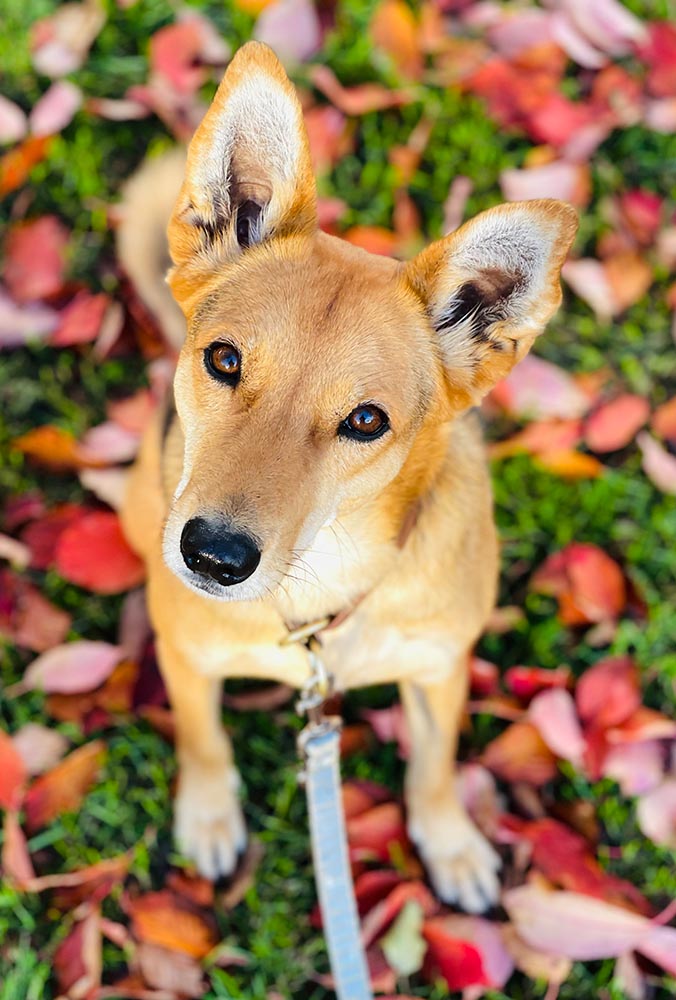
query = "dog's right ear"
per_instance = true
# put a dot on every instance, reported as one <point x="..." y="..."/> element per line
<point x="249" y="173"/>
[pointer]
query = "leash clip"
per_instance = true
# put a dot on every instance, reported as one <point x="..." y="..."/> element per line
<point x="317" y="689"/>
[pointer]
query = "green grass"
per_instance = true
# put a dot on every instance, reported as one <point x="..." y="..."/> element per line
<point x="537" y="513"/>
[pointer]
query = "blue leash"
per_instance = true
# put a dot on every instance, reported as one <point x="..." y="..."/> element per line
<point x="319" y="747"/>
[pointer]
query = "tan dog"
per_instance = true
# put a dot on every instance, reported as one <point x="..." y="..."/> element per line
<point x="319" y="420"/>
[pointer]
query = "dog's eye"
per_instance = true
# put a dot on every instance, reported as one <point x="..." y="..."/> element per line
<point x="365" y="423"/>
<point x="224" y="362"/>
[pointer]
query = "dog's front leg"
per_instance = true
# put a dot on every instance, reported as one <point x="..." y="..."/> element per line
<point x="461" y="863"/>
<point x="208" y="822"/>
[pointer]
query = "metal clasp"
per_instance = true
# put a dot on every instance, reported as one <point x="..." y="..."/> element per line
<point x="317" y="689"/>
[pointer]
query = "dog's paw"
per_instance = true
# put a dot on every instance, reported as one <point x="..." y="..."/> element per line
<point x="462" y="865"/>
<point x="209" y="826"/>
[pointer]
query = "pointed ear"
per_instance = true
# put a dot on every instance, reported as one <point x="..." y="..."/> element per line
<point x="490" y="288"/>
<point x="249" y="173"/>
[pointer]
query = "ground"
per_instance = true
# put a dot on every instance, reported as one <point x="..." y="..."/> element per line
<point x="539" y="512"/>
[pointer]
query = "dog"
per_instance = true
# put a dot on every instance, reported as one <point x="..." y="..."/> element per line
<point x="320" y="456"/>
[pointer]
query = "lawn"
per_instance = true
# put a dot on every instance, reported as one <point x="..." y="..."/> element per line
<point x="484" y="111"/>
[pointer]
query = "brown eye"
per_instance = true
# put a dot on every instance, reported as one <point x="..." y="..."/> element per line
<point x="365" y="423"/>
<point x="224" y="362"/>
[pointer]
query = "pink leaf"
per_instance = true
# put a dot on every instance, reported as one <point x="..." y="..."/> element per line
<point x="22" y="324"/>
<point x="35" y="258"/>
<point x="72" y="668"/>
<point x="108" y="444"/>
<point x="389" y="725"/>
<point x="55" y="109"/>
<point x="537" y="389"/>
<point x="291" y="28"/>
<point x="77" y="961"/>
<point x="16" y="860"/>
<point x="573" y="925"/>
<point x="108" y="485"/>
<point x="607" y="24"/>
<point x="636" y="767"/>
<point x="553" y="715"/>
<point x="613" y="425"/>
<point x="40" y="748"/>
<point x="60" y="43"/>
<point x="81" y="319"/>
<point x="12" y="121"/>
<point x="588" y="279"/>
<point x="559" y="179"/>
<point x="658" y="465"/>
<point x="656" y="813"/>
<point x="15" y="552"/>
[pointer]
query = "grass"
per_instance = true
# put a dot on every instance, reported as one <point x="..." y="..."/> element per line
<point x="537" y="512"/>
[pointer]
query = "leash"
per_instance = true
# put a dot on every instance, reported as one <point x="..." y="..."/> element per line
<point x="319" y="750"/>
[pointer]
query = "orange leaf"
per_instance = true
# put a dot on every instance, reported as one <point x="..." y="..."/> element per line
<point x="375" y="239"/>
<point x="520" y="754"/>
<point x="64" y="787"/>
<point x="49" y="446"/>
<point x="570" y="464"/>
<point x="93" y="553"/>
<point x="161" y="918"/>
<point x="394" y="29"/>
<point x="664" y="420"/>
<point x="16" y="165"/>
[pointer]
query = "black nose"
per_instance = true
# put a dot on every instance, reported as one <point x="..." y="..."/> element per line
<point x="208" y="548"/>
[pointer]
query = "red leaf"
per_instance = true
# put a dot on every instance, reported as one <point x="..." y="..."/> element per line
<point x="484" y="677"/>
<point x="373" y="834"/>
<point x="565" y="858"/>
<point x="12" y="773"/>
<point x="613" y="425"/>
<point x="81" y="319"/>
<point x="659" y="52"/>
<point x="642" y="214"/>
<point x="161" y="918"/>
<point x="372" y="886"/>
<point x="42" y="534"/>
<point x="485" y="938"/>
<point x="28" y="618"/>
<point x="457" y="962"/>
<point x="35" y="258"/>
<point x="526" y="682"/>
<point x="78" y="959"/>
<point x="64" y="787"/>
<point x="588" y="583"/>
<point x="608" y="693"/>
<point x="93" y="553"/>
<point x="520" y="754"/>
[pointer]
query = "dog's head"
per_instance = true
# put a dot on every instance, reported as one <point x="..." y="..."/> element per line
<point x="315" y="377"/>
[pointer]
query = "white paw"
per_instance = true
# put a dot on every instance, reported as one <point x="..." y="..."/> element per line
<point x="208" y="822"/>
<point x="462" y="865"/>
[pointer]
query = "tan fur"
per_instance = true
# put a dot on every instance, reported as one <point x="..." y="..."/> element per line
<point x="323" y="327"/>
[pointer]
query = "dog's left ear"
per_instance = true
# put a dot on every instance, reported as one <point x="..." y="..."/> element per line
<point x="490" y="288"/>
<point x="249" y="173"/>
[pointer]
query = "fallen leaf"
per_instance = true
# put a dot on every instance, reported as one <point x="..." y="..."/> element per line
<point x="81" y="319"/>
<point x="13" y="122"/>
<point x="658" y="50"/>
<point x="17" y="867"/>
<point x="72" y="668"/>
<point x="358" y="100"/>
<point x="64" y="787"/>
<point x="589" y="584"/>
<point x="467" y="951"/>
<point x="656" y="813"/>
<point x="658" y="465"/>
<point x="389" y="725"/>
<point x="12" y="773"/>
<point x="43" y="532"/>
<point x="25" y="324"/>
<point x="291" y="28"/>
<point x="55" y="109"/>
<point x="615" y="424"/>
<point x="108" y="444"/>
<point x="383" y="913"/>
<point x="35" y="258"/>
<point x="78" y="959"/>
<point x="394" y="29"/>
<point x="180" y="53"/>
<point x="569" y="464"/>
<point x="170" y="970"/>
<point x="608" y="693"/>
<point x="643" y="724"/>
<point x="60" y="42"/>
<point x="537" y="389"/>
<point x="49" y="446"/>
<point x="28" y="618"/>
<point x="15" y="552"/>
<point x="526" y="682"/>
<point x="484" y="677"/>
<point x="589" y="280"/>
<point x="540" y="438"/>
<point x="16" y="165"/>
<point x="663" y="420"/>
<point x="553" y="715"/>
<point x="373" y="834"/>
<point x="93" y="553"/>
<point x="373" y="885"/>
<point x="636" y="767"/>
<point x="162" y="919"/>
<point x="533" y="963"/>
<point x="107" y="485"/>
<point x="40" y="748"/>
<point x="404" y="946"/>
<point x="520" y="754"/>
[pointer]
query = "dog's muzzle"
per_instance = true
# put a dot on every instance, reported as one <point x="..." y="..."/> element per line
<point x="211" y="550"/>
